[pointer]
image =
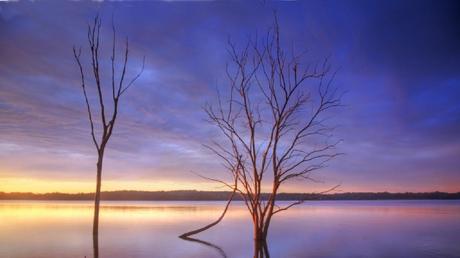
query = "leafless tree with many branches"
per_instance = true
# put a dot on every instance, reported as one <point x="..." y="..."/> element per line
<point x="105" y="106"/>
<point x="273" y="119"/>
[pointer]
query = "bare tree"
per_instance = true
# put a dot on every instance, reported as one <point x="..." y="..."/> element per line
<point x="273" y="122"/>
<point x="107" y="108"/>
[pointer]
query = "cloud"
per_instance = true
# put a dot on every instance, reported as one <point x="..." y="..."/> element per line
<point x="397" y="62"/>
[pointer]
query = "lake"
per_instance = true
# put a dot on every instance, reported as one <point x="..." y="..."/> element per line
<point x="387" y="229"/>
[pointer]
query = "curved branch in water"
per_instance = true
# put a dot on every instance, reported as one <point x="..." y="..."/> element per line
<point x="196" y="231"/>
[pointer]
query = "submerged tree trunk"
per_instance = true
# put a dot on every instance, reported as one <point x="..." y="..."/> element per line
<point x="97" y="200"/>
<point x="196" y="231"/>
<point x="97" y="197"/>
<point x="259" y="236"/>
<point x="261" y="249"/>
<point x="95" y="246"/>
<point x="260" y="243"/>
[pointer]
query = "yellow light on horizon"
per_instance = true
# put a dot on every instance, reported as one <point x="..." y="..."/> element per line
<point x="35" y="185"/>
<point x="47" y="185"/>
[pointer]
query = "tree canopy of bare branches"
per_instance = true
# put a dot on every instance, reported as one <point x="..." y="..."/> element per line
<point x="274" y="124"/>
<point x="106" y="109"/>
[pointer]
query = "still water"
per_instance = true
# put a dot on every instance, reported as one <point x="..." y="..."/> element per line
<point x="384" y="229"/>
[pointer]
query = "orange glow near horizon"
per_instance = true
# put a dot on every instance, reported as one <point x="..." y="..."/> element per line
<point x="9" y="184"/>
<point x="35" y="185"/>
<point x="39" y="186"/>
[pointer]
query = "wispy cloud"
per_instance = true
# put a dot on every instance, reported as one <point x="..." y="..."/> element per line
<point x="399" y="64"/>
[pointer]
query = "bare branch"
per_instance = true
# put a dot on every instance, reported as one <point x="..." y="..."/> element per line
<point x="135" y="77"/>
<point x="302" y="201"/>
<point x="94" y="41"/>
<point x="266" y="128"/>
<point x="83" y="86"/>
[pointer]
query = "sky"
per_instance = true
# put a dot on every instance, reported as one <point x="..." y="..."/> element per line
<point x="397" y="61"/>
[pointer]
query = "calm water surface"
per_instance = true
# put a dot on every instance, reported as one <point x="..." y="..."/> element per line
<point x="149" y="229"/>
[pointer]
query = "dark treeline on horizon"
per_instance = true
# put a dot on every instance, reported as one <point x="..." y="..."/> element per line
<point x="192" y="195"/>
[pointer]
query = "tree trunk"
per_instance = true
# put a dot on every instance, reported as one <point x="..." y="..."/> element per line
<point x="97" y="200"/>
<point x="259" y="238"/>
<point x="260" y="248"/>
<point x="97" y="197"/>
<point x="260" y="244"/>
<point x="266" y="225"/>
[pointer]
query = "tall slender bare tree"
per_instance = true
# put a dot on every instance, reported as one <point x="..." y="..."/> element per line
<point x="106" y="108"/>
<point x="273" y="123"/>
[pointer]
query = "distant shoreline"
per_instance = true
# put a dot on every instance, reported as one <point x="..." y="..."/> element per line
<point x="192" y="195"/>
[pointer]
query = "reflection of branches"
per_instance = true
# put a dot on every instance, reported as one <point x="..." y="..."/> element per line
<point x="95" y="246"/>
<point x="217" y="248"/>
<point x="264" y="250"/>
<point x="261" y="249"/>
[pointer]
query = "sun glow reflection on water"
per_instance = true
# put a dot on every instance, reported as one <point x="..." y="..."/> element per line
<point x="150" y="229"/>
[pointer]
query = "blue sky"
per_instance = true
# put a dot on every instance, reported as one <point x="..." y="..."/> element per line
<point x="398" y="61"/>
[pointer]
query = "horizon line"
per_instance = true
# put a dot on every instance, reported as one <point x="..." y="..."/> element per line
<point x="218" y="191"/>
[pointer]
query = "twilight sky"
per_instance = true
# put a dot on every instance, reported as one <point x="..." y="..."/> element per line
<point x="399" y="62"/>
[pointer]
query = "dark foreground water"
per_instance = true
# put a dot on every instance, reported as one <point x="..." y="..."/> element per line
<point x="388" y="229"/>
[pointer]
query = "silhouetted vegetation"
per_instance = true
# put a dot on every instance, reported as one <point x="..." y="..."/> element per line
<point x="272" y="118"/>
<point x="224" y="195"/>
<point x="107" y="107"/>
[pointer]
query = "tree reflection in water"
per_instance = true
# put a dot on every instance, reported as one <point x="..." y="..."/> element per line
<point x="216" y="247"/>
<point x="260" y="249"/>
<point x="96" y="246"/>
